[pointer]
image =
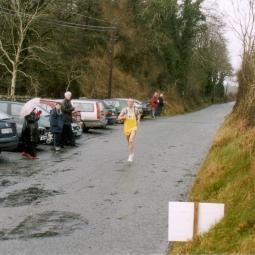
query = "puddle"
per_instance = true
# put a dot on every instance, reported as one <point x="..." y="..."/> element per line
<point x="26" y="197"/>
<point x="47" y="224"/>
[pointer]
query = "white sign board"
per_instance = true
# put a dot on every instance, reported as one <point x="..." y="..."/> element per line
<point x="181" y="219"/>
<point x="208" y="215"/>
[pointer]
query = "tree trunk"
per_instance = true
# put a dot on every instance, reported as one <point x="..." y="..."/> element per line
<point x="13" y="85"/>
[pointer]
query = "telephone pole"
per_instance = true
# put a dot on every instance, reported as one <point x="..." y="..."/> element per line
<point x="111" y="60"/>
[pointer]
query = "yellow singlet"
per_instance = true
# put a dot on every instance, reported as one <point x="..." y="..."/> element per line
<point x="130" y="123"/>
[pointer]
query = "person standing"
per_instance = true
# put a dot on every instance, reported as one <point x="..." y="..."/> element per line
<point x="154" y="104"/>
<point x="67" y="108"/>
<point x="160" y="105"/>
<point x="56" y="125"/>
<point x="30" y="134"/>
<point x="131" y="117"/>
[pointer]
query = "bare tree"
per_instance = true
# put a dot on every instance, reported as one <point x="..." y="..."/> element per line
<point x="73" y="73"/>
<point x="243" y="25"/>
<point x="17" y="19"/>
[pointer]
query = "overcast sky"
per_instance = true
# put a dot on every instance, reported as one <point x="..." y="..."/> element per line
<point x="225" y="10"/>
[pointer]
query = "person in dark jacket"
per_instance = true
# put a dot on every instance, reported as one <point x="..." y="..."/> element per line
<point x="67" y="133"/>
<point x="160" y="105"/>
<point x="30" y="134"/>
<point x="56" y="125"/>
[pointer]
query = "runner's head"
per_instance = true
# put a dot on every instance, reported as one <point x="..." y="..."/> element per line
<point x="130" y="102"/>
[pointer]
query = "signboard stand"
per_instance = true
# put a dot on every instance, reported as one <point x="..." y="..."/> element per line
<point x="186" y="220"/>
<point x="195" y="227"/>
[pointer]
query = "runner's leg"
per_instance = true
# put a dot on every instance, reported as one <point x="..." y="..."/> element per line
<point x="131" y="142"/>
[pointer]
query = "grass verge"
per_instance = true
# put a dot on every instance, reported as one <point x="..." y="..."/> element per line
<point x="227" y="176"/>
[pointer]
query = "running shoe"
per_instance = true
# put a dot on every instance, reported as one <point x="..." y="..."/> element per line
<point x="130" y="159"/>
<point x="25" y="154"/>
<point x="33" y="157"/>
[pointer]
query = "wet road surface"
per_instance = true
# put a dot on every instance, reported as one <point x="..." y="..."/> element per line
<point x="90" y="200"/>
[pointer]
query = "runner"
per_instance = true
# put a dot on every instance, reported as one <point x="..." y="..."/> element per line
<point x="131" y="117"/>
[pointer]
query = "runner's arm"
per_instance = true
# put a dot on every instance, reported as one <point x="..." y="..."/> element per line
<point x="138" y="115"/>
<point x="122" y="115"/>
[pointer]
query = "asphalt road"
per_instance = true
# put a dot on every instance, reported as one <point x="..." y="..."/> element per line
<point x="90" y="200"/>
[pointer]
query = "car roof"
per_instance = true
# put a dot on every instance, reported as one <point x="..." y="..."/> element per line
<point x="118" y="98"/>
<point x="83" y="100"/>
<point x="12" y="101"/>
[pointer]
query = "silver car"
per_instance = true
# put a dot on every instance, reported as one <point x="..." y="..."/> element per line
<point x="92" y="113"/>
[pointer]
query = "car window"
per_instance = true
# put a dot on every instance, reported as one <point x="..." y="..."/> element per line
<point x="4" y="116"/>
<point x="46" y="107"/>
<point x="112" y="103"/>
<point x="16" y="109"/>
<point x="123" y="103"/>
<point x="117" y="104"/>
<point x="44" y="112"/>
<point x="107" y="104"/>
<point x="84" y="107"/>
<point x="3" y="106"/>
<point x="138" y="102"/>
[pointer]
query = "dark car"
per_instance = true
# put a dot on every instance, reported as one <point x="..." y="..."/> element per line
<point x="109" y="110"/>
<point x="9" y="138"/>
<point x="146" y="108"/>
<point x="120" y="103"/>
<point x="41" y="130"/>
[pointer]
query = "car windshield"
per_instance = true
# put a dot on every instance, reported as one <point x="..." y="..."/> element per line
<point x="107" y="104"/>
<point x="84" y="107"/>
<point x="138" y="101"/>
<point x="4" y="116"/>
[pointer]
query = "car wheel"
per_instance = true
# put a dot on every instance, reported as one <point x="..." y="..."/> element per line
<point x="85" y="129"/>
<point x="119" y="121"/>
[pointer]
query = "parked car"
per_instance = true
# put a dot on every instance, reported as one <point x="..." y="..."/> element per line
<point x="49" y="104"/>
<point x="146" y="107"/>
<point x="9" y="138"/>
<point x="13" y="108"/>
<point x="41" y="132"/>
<point x="109" y="110"/>
<point x="92" y="113"/>
<point x="120" y="103"/>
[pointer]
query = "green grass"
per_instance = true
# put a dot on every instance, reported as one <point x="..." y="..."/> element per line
<point x="227" y="176"/>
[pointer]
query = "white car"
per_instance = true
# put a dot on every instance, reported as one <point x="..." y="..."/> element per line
<point x="92" y="113"/>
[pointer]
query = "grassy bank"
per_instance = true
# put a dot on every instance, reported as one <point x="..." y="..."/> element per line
<point x="227" y="176"/>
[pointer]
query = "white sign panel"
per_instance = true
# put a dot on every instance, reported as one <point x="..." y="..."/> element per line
<point x="208" y="215"/>
<point x="180" y="221"/>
